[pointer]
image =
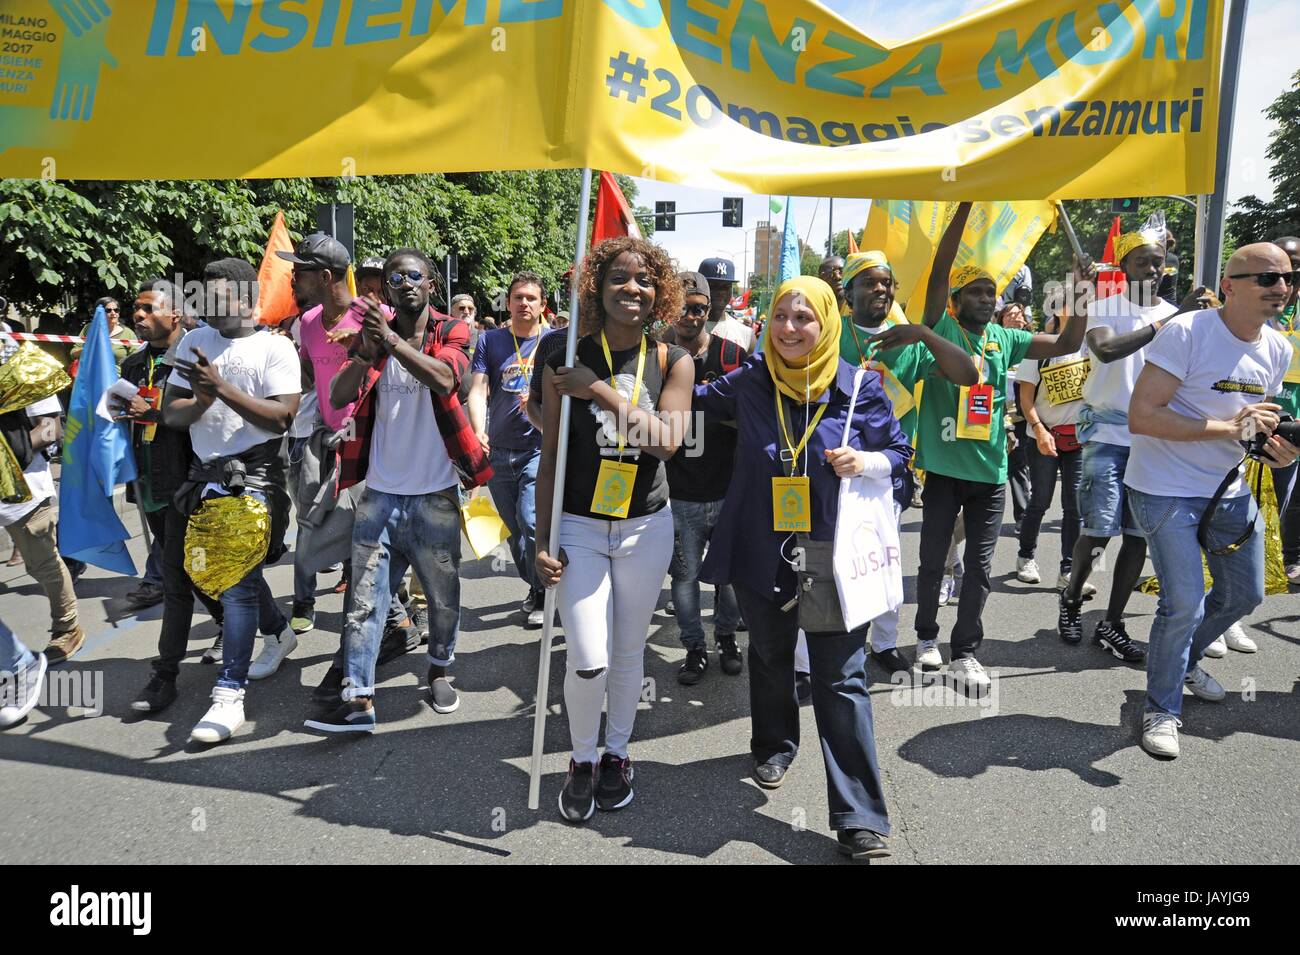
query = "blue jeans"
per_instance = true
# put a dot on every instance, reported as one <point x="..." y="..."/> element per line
<point x="1103" y="498"/>
<point x="1188" y="619"/>
<point x="692" y="524"/>
<point x="513" y="492"/>
<point x="14" y="654"/>
<point x="393" y="532"/>
<point x="245" y="607"/>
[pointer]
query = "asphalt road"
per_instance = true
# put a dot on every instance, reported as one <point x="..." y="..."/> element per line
<point x="1051" y="773"/>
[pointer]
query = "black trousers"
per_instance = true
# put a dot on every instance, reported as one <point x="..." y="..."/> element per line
<point x="981" y="506"/>
<point x="1018" y="473"/>
<point x="168" y="525"/>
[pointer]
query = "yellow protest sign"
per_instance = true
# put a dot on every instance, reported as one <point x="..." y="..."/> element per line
<point x="1063" y="383"/>
<point x="1022" y="99"/>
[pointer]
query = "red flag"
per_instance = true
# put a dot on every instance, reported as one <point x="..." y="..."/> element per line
<point x="740" y="301"/>
<point x="613" y="215"/>
<point x="275" y="300"/>
<point x="1111" y="281"/>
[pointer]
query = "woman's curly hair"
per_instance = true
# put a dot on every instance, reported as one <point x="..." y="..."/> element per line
<point x="663" y="272"/>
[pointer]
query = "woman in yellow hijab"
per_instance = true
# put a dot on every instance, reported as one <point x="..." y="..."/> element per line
<point x="791" y="404"/>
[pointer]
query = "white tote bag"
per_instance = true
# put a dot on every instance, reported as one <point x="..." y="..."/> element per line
<point x="867" y="557"/>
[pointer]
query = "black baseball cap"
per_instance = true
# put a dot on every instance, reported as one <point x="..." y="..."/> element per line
<point x="373" y="265"/>
<point x="319" y="251"/>
<point x="693" y="283"/>
<point x="718" y="270"/>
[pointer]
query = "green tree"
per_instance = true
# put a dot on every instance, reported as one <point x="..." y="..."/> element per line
<point x="1256" y="220"/>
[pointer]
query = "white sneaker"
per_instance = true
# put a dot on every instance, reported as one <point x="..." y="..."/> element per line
<point x="1236" y="639"/>
<point x="274" y="650"/>
<point x="970" y="672"/>
<point x="1204" y="686"/>
<point x="224" y="716"/>
<point x="945" y="590"/>
<point x="1160" y="734"/>
<point x="1063" y="581"/>
<point x="19" y="694"/>
<point x="1027" y="570"/>
<point x="1219" y="648"/>
<point x="927" y="655"/>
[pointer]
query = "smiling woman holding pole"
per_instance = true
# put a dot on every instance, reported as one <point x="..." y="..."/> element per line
<point x="806" y="418"/>
<point x="631" y="397"/>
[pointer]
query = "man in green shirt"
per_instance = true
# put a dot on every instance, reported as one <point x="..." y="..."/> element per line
<point x="869" y="286"/>
<point x="962" y="443"/>
<point x="1284" y="479"/>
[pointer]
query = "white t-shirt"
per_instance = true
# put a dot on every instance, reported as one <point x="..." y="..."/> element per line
<point x="39" y="480"/>
<point x="1110" y="386"/>
<point x="262" y="365"/>
<point x="407" y="454"/>
<point x="1068" y="367"/>
<point x="304" y="422"/>
<point x="734" y="330"/>
<point x="1220" y="375"/>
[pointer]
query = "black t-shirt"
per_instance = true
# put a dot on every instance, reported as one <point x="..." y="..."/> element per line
<point x="592" y="434"/>
<point x="552" y="343"/>
<point x="701" y="469"/>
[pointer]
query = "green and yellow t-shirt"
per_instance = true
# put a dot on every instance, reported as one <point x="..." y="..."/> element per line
<point x="1289" y="399"/>
<point x="855" y="350"/>
<point x="938" y="448"/>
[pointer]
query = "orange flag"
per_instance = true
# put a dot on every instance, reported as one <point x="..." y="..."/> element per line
<point x="853" y="244"/>
<point x="275" y="278"/>
<point x="1111" y="281"/>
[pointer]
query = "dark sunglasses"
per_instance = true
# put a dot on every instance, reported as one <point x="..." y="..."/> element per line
<point x="695" y="311"/>
<point x="1269" y="279"/>
<point x="398" y="279"/>
<point x="111" y="308"/>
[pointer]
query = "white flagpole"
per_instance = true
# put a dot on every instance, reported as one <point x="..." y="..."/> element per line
<point x="557" y="507"/>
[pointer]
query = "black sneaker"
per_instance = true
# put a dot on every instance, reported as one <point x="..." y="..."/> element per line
<point x="331" y="688"/>
<point x="892" y="660"/>
<point x="354" y="716"/>
<point x="614" y="785"/>
<point x="728" y="654"/>
<point x="693" y="669"/>
<point x="1069" y="621"/>
<point x="158" y="694"/>
<point x="803" y="685"/>
<point x="862" y="844"/>
<point x="397" y="641"/>
<point x="578" y="797"/>
<point x="445" y="699"/>
<point x="1113" y="637"/>
<point x="420" y="621"/>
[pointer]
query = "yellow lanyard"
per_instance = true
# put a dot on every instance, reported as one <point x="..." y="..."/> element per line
<point x="528" y="375"/>
<point x="865" y="357"/>
<point x="979" y="365"/>
<point x="636" y="388"/>
<point x="790" y="447"/>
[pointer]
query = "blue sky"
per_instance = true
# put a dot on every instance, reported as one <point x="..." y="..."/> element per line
<point x="1272" y="39"/>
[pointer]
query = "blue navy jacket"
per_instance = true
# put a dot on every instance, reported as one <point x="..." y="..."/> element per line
<point x="743" y="548"/>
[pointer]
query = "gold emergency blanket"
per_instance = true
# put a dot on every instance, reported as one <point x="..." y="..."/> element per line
<point x="226" y="538"/>
<point x="27" y="375"/>
<point x="1275" y="581"/>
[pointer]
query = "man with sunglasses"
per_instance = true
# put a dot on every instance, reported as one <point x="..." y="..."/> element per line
<point x="412" y="445"/>
<point x="503" y="368"/>
<point x="1209" y="382"/>
<point x="698" y="477"/>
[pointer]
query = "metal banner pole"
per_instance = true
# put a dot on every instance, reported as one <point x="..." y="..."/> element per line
<point x="557" y="507"/>
<point x="1209" y="264"/>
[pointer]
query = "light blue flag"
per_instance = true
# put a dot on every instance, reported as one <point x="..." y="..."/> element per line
<point x="789" y="246"/>
<point x="96" y="458"/>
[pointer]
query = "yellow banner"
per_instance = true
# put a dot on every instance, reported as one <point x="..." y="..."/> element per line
<point x="998" y="237"/>
<point x="1022" y="99"/>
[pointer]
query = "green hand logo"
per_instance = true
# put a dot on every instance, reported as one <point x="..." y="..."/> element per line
<point x="84" y="52"/>
<point x="791" y="505"/>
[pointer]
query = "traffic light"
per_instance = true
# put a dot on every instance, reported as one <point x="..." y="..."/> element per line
<point x="665" y="220"/>
<point x="732" y="212"/>
<point x="1121" y="206"/>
